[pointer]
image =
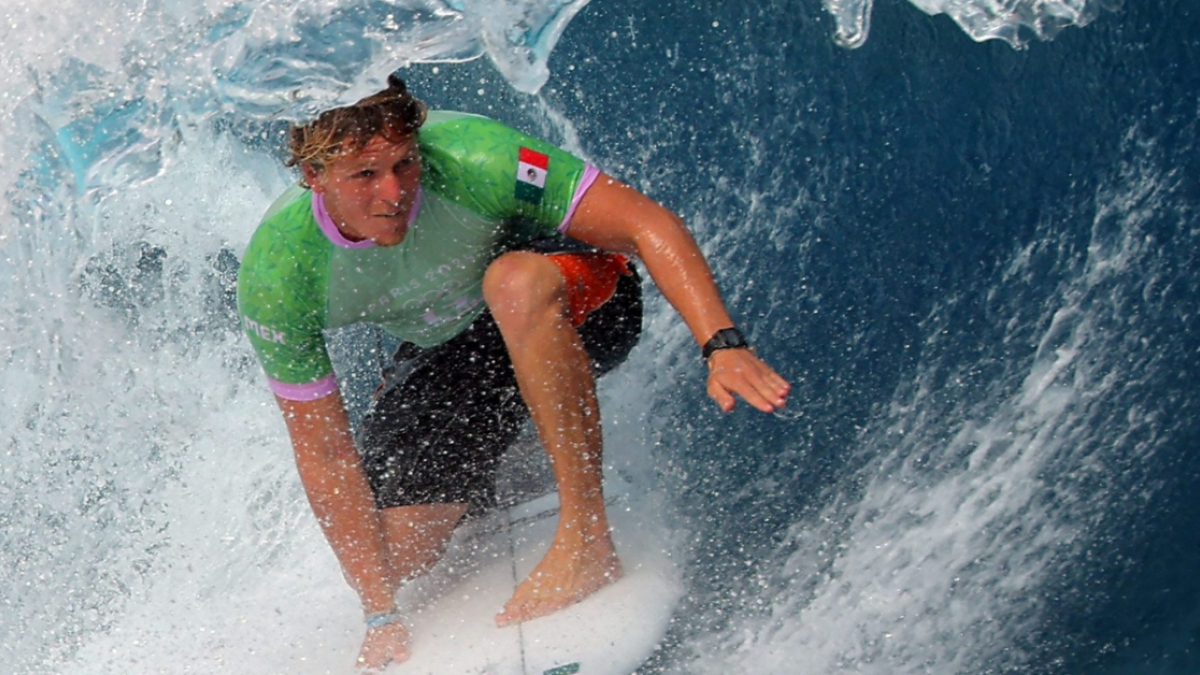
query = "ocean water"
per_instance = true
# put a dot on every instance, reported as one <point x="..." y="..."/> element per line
<point x="975" y="260"/>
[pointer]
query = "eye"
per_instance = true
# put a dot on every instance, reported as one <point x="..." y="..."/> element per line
<point x="365" y="173"/>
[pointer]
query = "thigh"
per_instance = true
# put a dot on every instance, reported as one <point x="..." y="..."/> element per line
<point x="438" y="427"/>
<point x="436" y="430"/>
<point x="611" y="331"/>
<point x="605" y="296"/>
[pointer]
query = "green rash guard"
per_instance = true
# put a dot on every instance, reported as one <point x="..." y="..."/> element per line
<point x="485" y="188"/>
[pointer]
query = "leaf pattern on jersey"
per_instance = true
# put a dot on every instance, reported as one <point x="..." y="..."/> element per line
<point x="468" y="160"/>
<point x="283" y="285"/>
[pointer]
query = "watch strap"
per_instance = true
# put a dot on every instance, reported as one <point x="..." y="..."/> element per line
<point x="726" y="338"/>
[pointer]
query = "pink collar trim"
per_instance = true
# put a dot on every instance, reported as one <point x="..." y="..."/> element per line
<point x="333" y="234"/>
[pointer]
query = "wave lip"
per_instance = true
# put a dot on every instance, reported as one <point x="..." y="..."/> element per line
<point x="318" y="58"/>
<point x="1007" y="20"/>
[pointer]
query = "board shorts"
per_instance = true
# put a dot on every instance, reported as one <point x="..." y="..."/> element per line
<point x="443" y="417"/>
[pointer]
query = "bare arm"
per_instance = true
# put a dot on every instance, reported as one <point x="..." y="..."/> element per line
<point x="616" y="217"/>
<point x="332" y="474"/>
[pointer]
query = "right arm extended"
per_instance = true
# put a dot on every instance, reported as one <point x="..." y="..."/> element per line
<point x="332" y="474"/>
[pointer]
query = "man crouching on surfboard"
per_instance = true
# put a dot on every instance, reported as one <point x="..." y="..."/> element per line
<point x="463" y="237"/>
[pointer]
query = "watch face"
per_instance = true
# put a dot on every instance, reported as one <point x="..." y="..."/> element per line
<point x="730" y="337"/>
<point x="726" y="338"/>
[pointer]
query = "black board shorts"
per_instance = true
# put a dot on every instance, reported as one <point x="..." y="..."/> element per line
<point x="444" y="416"/>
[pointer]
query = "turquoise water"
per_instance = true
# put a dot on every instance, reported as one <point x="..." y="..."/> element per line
<point x="976" y="263"/>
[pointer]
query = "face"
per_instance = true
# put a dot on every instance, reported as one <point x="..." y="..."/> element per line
<point x="370" y="193"/>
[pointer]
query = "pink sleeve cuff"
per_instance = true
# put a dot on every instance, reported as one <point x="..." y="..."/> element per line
<point x="590" y="174"/>
<point x="305" y="392"/>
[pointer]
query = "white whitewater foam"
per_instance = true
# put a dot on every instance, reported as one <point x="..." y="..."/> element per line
<point x="974" y="504"/>
<point x="150" y="516"/>
<point x="1006" y="20"/>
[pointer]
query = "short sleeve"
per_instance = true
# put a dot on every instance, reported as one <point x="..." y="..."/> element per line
<point x="503" y="174"/>
<point x="280" y="298"/>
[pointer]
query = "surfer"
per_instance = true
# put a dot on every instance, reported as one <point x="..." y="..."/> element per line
<point x="501" y="261"/>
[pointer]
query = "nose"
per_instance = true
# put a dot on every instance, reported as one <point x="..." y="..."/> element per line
<point x="390" y="188"/>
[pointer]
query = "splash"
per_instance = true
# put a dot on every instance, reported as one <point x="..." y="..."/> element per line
<point x="994" y="470"/>
<point x="1006" y="20"/>
<point x="127" y="382"/>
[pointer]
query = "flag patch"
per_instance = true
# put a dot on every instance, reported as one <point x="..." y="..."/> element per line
<point x="531" y="175"/>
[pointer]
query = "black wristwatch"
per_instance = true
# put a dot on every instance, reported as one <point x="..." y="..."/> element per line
<point x="726" y="338"/>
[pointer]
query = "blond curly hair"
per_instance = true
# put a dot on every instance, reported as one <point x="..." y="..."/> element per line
<point x="393" y="113"/>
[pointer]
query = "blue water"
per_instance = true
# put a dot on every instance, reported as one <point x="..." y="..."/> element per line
<point x="977" y="265"/>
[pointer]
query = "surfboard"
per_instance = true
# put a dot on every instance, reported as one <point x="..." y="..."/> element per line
<point x="296" y="616"/>
<point x="451" y="611"/>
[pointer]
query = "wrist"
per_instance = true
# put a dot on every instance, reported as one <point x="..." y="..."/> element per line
<point x="376" y="620"/>
<point x="726" y="338"/>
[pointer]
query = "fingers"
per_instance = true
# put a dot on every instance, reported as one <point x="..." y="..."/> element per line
<point x="720" y="394"/>
<point x="740" y="372"/>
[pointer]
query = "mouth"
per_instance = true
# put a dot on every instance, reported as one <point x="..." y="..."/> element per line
<point x="398" y="214"/>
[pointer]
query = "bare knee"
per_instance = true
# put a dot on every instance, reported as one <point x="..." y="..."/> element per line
<point x="417" y="536"/>
<point x="522" y="289"/>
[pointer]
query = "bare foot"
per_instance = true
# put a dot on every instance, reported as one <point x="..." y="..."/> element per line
<point x="568" y="573"/>
<point x="384" y="645"/>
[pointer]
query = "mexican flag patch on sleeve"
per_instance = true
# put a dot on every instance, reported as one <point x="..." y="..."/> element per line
<point x="531" y="176"/>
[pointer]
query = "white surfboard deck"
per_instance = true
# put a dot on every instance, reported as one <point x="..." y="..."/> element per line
<point x="452" y="610"/>
<point x="293" y="615"/>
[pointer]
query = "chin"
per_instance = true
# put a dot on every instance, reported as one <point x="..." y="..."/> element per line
<point x="390" y="239"/>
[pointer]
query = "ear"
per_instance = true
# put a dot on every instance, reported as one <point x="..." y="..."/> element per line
<point x="314" y="177"/>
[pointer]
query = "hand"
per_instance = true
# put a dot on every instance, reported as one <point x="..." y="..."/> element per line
<point x="384" y="645"/>
<point x="741" y="372"/>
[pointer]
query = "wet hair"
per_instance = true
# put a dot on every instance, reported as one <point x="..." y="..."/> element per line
<point x="393" y="113"/>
